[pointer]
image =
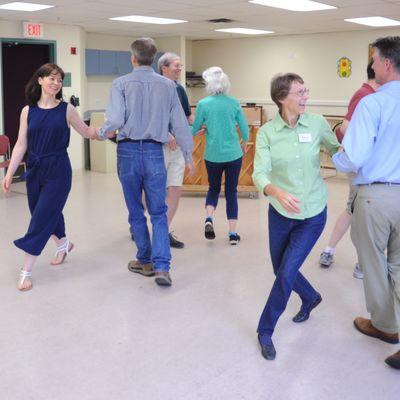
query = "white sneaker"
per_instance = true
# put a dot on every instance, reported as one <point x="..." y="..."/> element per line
<point x="357" y="273"/>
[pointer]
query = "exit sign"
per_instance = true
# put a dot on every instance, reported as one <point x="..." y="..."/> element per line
<point x="32" y="30"/>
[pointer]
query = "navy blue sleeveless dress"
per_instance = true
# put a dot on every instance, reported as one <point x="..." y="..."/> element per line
<point x="48" y="177"/>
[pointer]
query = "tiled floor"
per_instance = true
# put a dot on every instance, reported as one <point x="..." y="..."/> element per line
<point x="90" y="329"/>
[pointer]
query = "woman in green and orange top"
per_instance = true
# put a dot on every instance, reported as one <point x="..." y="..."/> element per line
<point x="287" y="170"/>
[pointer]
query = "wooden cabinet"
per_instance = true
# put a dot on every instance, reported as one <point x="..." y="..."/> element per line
<point x="199" y="182"/>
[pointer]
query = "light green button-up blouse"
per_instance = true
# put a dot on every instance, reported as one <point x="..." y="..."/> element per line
<point x="290" y="159"/>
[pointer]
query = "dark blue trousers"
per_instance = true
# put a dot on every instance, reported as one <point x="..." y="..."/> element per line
<point x="232" y="171"/>
<point x="48" y="187"/>
<point x="290" y="242"/>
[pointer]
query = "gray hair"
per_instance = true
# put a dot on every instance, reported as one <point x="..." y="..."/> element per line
<point x="280" y="86"/>
<point x="389" y="47"/>
<point x="217" y="82"/>
<point x="144" y="49"/>
<point x="166" y="60"/>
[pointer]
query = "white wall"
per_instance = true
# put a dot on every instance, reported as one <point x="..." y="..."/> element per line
<point x="251" y="63"/>
<point x="66" y="37"/>
<point x="173" y="44"/>
<point x="189" y="55"/>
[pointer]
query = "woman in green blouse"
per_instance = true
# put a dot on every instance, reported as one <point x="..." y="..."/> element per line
<point x="287" y="170"/>
<point x="220" y="114"/>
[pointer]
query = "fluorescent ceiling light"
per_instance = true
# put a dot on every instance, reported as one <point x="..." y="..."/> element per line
<point x="294" y="5"/>
<point x="374" y="21"/>
<point x="16" y="6"/>
<point x="244" y="31"/>
<point x="148" y="20"/>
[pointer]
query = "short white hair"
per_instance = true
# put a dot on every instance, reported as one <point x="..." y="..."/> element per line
<point x="217" y="82"/>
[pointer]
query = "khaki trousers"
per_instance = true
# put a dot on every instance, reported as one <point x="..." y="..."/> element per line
<point x="375" y="231"/>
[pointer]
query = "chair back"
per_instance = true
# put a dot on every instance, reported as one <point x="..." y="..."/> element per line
<point x="4" y="145"/>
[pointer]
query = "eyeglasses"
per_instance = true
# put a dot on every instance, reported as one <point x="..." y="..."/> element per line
<point x="302" y="92"/>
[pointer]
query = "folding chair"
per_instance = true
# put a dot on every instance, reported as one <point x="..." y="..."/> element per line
<point x="5" y="152"/>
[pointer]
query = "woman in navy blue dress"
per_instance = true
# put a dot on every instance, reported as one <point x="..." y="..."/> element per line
<point x="44" y="132"/>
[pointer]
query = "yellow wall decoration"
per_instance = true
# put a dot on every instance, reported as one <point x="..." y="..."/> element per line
<point x="344" y="67"/>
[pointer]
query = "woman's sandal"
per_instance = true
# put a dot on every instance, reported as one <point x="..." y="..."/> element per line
<point x="65" y="248"/>
<point x="24" y="275"/>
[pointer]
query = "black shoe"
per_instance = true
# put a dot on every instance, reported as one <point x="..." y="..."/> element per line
<point x="209" y="230"/>
<point x="267" y="350"/>
<point x="394" y="360"/>
<point x="234" y="239"/>
<point x="174" y="242"/>
<point x="304" y="313"/>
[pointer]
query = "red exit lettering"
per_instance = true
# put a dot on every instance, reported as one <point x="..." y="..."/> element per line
<point x="32" y="29"/>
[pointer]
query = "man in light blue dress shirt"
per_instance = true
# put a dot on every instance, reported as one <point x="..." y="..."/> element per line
<point x="372" y="150"/>
<point x="143" y="105"/>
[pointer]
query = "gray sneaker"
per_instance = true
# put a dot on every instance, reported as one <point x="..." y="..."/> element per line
<point x="357" y="273"/>
<point x="163" y="278"/>
<point x="325" y="259"/>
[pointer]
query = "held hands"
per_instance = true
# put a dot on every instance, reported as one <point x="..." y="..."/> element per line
<point x="94" y="134"/>
<point x="172" y="142"/>
<point x="111" y="135"/>
<point x="201" y="131"/>
<point x="191" y="168"/>
<point x="290" y="203"/>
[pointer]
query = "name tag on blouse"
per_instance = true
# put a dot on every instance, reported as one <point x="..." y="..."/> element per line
<point x="305" y="137"/>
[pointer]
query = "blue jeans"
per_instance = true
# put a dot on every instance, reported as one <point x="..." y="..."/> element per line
<point x="290" y="242"/>
<point x="141" y="168"/>
<point x="232" y="171"/>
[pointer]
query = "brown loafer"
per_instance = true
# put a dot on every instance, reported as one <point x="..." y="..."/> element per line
<point x="365" y="326"/>
<point x="143" y="269"/>
<point x="394" y="360"/>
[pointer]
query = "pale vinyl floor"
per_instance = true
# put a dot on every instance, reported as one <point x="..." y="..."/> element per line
<point x="90" y="329"/>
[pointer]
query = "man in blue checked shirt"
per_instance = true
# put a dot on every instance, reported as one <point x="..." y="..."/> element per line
<point x="143" y="105"/>
<point x="372" y="150"/>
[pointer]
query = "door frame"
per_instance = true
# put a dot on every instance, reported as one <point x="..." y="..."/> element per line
<point x="53" y="58"/>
